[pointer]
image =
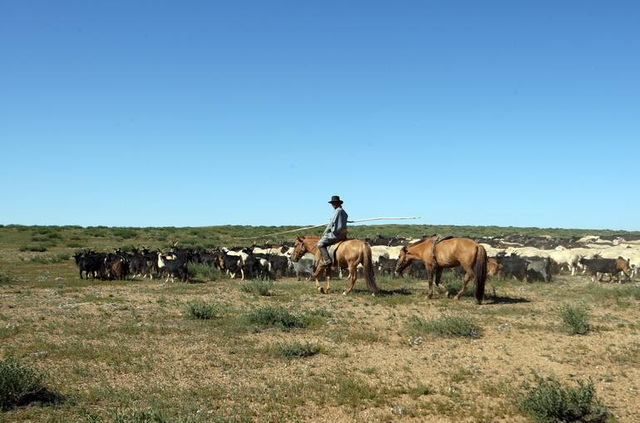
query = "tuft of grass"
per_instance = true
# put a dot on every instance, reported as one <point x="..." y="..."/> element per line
<point x="446" y="326"/>
<point x="21" y="385"/>
<point x="58" y="258"/>
<point x="355" y="392"/>
<point x="144" y="416"/>
<point x="295" y="350"/>
<point x="202" y="311"/>
<point x="33" y="248"/>
<point x="319" y="312"/>
<point x="548" y="401"/>
<point x="276" y="317"/>
<point x="204" y="272"/>
<point x="5" y="278"/>
<point x="575" y="319"/>
<point x="258" y="288"/>
<point x="420" y="390"/>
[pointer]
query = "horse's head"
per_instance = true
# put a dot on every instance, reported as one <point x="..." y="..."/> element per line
<point x="403" y="260"/>
<point x="299" y="249"/>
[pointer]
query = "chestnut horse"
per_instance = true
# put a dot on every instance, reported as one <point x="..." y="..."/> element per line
<point x="448" y="253"/>
<point x="350" y="253"/>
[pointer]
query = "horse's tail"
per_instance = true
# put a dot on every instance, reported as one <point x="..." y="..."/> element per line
<point x="480" y="269"/>
<point x="368" y="270"/>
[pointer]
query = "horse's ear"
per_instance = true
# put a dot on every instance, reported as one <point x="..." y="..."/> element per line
<point x="298" y="238"/>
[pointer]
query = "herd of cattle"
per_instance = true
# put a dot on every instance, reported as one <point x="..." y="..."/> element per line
<point x="525" y="258"/>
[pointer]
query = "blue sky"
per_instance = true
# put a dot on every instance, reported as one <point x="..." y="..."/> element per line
<point x="155" y="113"/>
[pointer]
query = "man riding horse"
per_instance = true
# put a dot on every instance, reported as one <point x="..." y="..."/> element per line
<point x="335" y="231"/>
<point x="349" y="254"/>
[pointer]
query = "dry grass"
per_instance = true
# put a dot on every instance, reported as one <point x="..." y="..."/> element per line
<point x="124" y="351"/>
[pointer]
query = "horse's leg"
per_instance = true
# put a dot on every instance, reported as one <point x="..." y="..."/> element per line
<point x="469" y="274"/>
<point x="316" y="276"/>
<point x="327" y="285"/>
<point x="430" y="279"/>
<point x="443" y="290"/>
<point x="353" y="275"/>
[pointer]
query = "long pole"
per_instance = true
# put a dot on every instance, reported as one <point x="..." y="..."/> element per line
<point x="369" y="219"/>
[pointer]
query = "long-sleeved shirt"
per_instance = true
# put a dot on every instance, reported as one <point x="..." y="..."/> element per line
<point x="338" y="224"/>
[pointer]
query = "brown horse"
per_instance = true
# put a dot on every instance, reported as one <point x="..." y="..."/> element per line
<point x="448" y="253"/>
<point x="349" y="253"/>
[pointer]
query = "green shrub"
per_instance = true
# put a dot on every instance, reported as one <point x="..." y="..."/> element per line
<point x="549" y="401"/>
<point x="575" y="319"/>
<point x="276" y="317"/>
<point x="295" y="350"/>
<point x="5" y="278"/>
<point x="58" y="258"/>
<point x="124" y="233"/>
<point x="21" y="385"/>
<point x="204" y="272"/>
<point x="319" y="312"/>
<point x="144" y="416"/>
<point x="259" y="288"/>
<point x="447" y="326"/>
<point x="34" y="248"/>
<point x="202" y="311"/>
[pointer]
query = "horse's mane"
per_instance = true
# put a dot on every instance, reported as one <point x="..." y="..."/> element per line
<point x="310" y="236"/>
<point x="413" y="244"/>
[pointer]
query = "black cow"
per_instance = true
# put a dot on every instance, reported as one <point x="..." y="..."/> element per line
<point x="91" y="263"/>
<point x="538" y="268"/>
<point x="117" y="265"/>
<point x="232" y="264"/>
<point x="512" y="267"/>
<point x="417" y="270"/>
<point x="389" y="242"/>
<point x="386" y="266"/>
<point x="174" y="266"/>
<point x="139" y="265"/>
<point x="278" y="264"/>
<point x="601" y="265"/>
<point x="257" y="266"/>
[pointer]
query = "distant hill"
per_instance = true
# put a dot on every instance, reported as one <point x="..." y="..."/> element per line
<point x="52" y="238"/>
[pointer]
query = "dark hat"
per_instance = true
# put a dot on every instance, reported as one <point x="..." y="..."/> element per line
<point x="336" y="199"/>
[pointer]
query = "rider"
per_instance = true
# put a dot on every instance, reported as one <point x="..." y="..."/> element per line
<point x="336" y="230"/>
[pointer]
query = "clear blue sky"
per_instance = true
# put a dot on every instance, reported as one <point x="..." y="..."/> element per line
<point x="147" y="113"/>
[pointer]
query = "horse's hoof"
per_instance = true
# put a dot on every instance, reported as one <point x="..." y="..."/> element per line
<point x="320" y="290"/>
<point x="344" y="292"/>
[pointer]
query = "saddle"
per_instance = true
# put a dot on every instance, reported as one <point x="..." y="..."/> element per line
<point x="332" y="249"/>
<point x="436" y="240"/>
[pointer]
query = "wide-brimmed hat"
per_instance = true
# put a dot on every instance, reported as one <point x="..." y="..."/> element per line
<point x="336" y="199"/>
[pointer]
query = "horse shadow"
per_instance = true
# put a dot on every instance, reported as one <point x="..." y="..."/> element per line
<point x="196" y="281"/>
<point x="391" y="292"/>
<point x="384" y="292"/>
<point x="492" y="299"/>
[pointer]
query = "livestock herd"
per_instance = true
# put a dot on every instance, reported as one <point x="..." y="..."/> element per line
<point x="525" y="258"/>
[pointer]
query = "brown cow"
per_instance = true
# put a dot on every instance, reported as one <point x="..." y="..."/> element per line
<point x="622" y="265"/>
<point x="493" y="267"/>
